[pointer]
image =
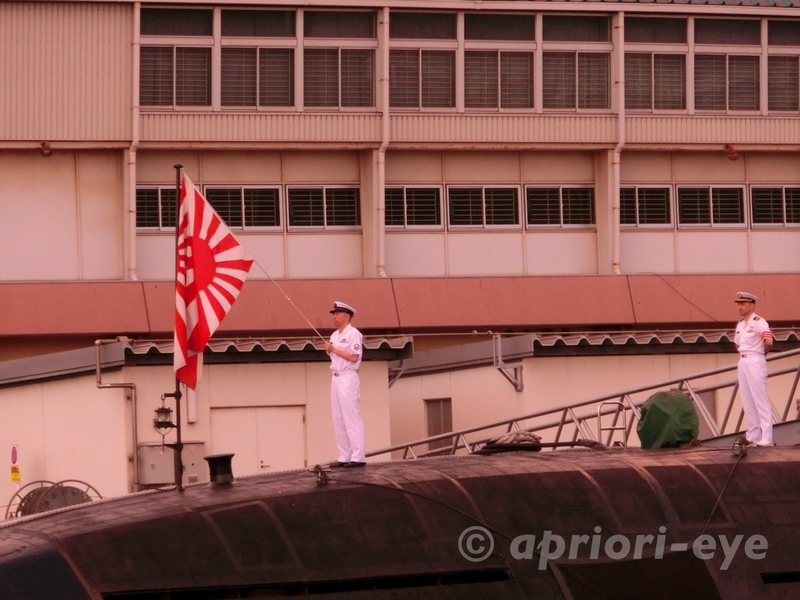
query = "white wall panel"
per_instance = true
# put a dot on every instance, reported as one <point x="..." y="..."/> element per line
<point x="325" y="255"/>
<point x="413" y="167"/>
<point x="561" y="253"/>
<point x="558" y="167"/>
<point x="704" y="167"/>
<point x="268" y="252"/>
<point x="415" y="254"/>
<point x="484" y="253"/>
<point x="155" y="256"/>
<point x="775" y="251"/>
<point x="482" y="167"/>
<point x="342" y="167"/>
<point x="647" y="252"/>
<point x="712" y="252"/>
<point x="101" y="215"/>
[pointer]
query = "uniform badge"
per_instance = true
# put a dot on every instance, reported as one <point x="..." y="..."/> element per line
<point x="356" y="346"/>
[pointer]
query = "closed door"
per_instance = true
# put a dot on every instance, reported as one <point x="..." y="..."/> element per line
<point x="262" y="438"/>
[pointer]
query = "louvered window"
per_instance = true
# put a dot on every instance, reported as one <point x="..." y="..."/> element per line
<point x="783" y="83"/>
<point x="655" y="30"/>
<point x="413" y="207"/>
<point x="783" y="33"/>
<point x="246" y="207"/>
<point x="421" y="78"/>
<point x="422" y="26"/>
<point x="576" y="80"/>
<point x="776" y="206"/>
<point x="710" y="206"/>
<point x="177" y="21"/>
<point x="483" y="206"/>
<point x="339" y="77"/>
<point x="493" y="79"/>
<point x="655" y="81"/>
<point x="726" y="82"/>
<point x="644" y="206"/>
<point x="258" y="23"/>
<point x="559" y="206"/>
<point x="324" y="207"/>
<point x="155" y="207"/>
<point x="175" y="75"/>
<point x="558" y="28"/>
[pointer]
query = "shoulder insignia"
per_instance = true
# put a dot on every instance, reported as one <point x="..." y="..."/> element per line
<point x="756" y="318"/>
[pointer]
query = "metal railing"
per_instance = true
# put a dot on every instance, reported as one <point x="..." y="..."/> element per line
<point x="575" y="420"/>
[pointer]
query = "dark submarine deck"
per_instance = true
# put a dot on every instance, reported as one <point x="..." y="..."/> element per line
<point x="392" y="531"/>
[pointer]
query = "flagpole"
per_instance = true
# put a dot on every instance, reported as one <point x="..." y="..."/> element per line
<point x="178" y="446"/>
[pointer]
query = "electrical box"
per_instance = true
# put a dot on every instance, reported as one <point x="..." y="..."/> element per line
<point x="157" y="464"/>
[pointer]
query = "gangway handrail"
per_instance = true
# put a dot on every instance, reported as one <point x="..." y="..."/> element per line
<point x="564" y="414"/>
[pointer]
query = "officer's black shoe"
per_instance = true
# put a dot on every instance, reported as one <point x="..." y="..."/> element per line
<point x="337" y="464"/>
<point x="352" y="464"/>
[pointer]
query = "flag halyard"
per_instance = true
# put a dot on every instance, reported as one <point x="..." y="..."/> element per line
<point x="212" y="267"/>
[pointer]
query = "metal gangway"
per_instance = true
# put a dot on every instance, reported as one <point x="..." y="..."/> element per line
<point x="599" y="419"/>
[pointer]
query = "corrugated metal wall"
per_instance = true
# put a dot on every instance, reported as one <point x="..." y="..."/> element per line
<point x="719" y="129"/>
<point x="66" y="71"/>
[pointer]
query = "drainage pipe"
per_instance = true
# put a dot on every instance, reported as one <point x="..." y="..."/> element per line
<point x="385" y="135"/>
<point x="619" y="54"/>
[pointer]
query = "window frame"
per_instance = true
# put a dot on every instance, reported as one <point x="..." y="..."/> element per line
<point x="653" y="50"/>
<point x="244" y="226"/>
<point x="161" y="210"/>
<point x="649" y="226"/>
<point x="406" y="227"/>
<point x="561" y="226"/>
<point x="483" y="226"/>
<point x="325" y="226"/>
<point x="743" y="225"/>
<point x="773" y="225"/>
<point x="427" y="45"/>
<point x="176" y="43"/>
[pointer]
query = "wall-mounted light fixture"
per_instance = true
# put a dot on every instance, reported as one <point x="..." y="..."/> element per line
<point x="45" y="149"/>
<point x="732" y="153"/>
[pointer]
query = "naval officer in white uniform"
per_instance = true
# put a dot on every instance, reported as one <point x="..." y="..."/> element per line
<point x="753" y="340"/>
<point x="345" y="349"/>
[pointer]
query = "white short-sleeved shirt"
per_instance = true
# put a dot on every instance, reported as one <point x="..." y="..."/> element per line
<point x="349" y="340"/>
<point x="750" y="334"/>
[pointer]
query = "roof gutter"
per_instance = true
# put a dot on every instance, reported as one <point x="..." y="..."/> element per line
<point x="619" y="54"/>
<point x="385" y="135"/>
<point x="130" y="189"/>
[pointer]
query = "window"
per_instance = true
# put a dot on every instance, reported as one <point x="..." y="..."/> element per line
<point x="644" y="206"/>
<point x="479" y="26"/>
<point x="726" y="82"/>
<point x="710" y="206"/>
<point x="783" y="33"/>
<point x="422" y="26"/>
<point x="776" y="206"/>
<point x="332" y="24"/>
<point x="246" y="207"/>
<point x="655" y="81"/>
<point x="575" y="80"/>
<point x="410" y="206"/>
<point x="560" y="206"/>
<point x="422" y="78"/>
<point x="558" y="28"/>
<point x="727" y="31"/>
<point x="483" y="206"/>
<point x="439" y="414"/>
<point x="339" y="77"/>
<point x="783" y="83"/>
<point x="655" y="30"/>
<point x="176" y="73"/>
<point x="324" y="207"/>
<point x="498" y="79"/>
<point x="155" y="207"/>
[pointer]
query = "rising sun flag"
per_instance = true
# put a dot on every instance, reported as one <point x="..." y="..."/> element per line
<point x="211" y="269"/>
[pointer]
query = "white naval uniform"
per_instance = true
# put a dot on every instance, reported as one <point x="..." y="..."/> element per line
<point x="346" y="396"/>
<point x="752" y="377"/>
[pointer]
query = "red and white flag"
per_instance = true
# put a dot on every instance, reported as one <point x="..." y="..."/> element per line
<point x="212" y="268"/>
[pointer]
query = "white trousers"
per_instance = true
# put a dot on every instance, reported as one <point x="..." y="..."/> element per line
<point x="752" y="377"/>
<point x="346" y="410"/>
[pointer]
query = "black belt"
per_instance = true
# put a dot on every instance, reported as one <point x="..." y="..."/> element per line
<point x="336" y="374"/>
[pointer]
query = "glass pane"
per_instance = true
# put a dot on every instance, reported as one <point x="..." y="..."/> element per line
<point x="654" y="206"/>
<point x="404" y="78"/>
<point x="578" y="206"/>
<point x="694" y="206"/>
<point x="792" y="204"/>
<point x="627" y="206"/>
<point x="655" y="30"/>
<point x="358" y="78"/>
<point x="332" y="24"/>
<point x="177" y="21"/>
<point x="227" y="203"/>
<point x="479" y="26"/>
<point x="669" y="86"/>
<point x="276" y="77"/>
<point x="258" y="23"/>
<point x="727" y="31"/>
<point x="261" y="208"/>
<point x="394" y="207"/>
<point x="743" y="83"/>
<point x="784" y="33"/>
<point x="422" y="26"/>
<point x="709" y="82"/>
<point x="321" y="84"/>
<point x="638" y="81"/>
<point x="593" y="80"/>
<point x="423" y="206"/>
<point x="501" y="206"/>
<point x="516" y="80"/>
<point x="342" y="207"/>
<point x="728" y="205"/>
<point x="558" y="79"/>
<point x="156" y="76"/>
<point x="480" y="79"/>
<point x="193" y="76"/>
<point x="169" y="205"/>
<point x="543" y="206"/>
<point x="305" y="208"/>
<point x="783" y="77"/>
<point x="466" y="206"/>
<point x="438" y="79"/>
<point x="238" y="77"/>
<point x="767" y="205"/>
<point x="147" y="210"/>
<point x="576" y="29"/>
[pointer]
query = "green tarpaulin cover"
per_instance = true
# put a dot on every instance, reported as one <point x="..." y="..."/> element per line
<point x="668" y="421"/>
